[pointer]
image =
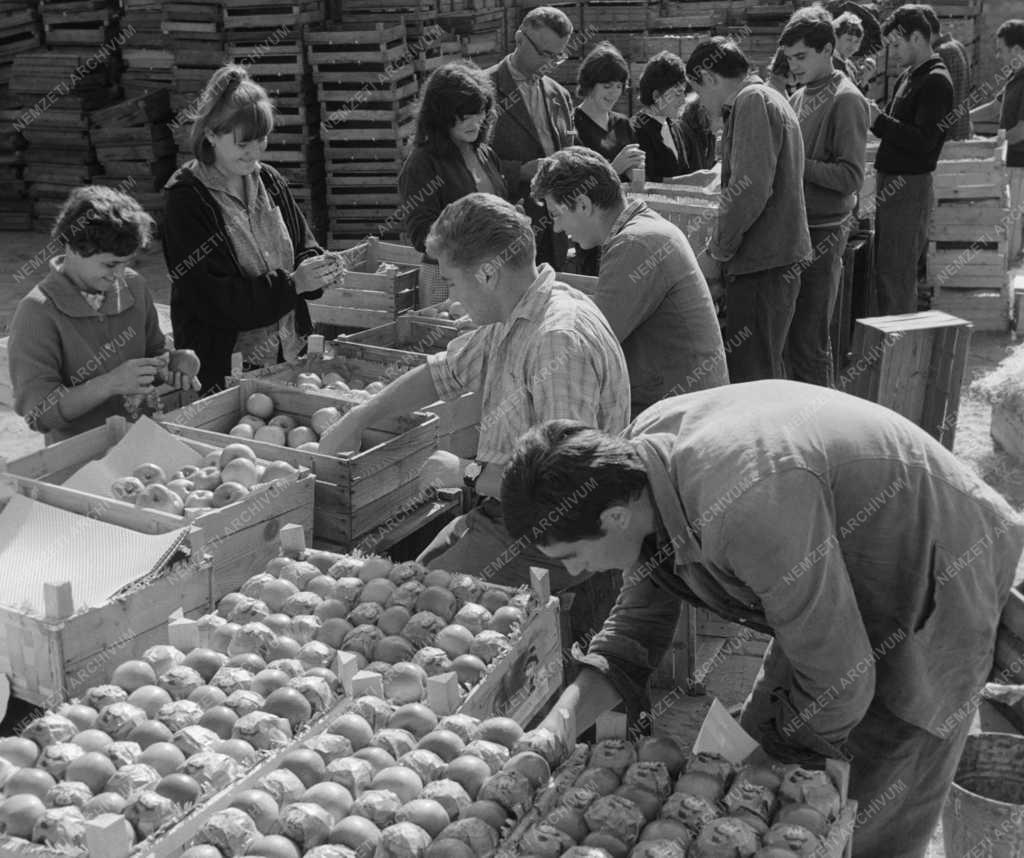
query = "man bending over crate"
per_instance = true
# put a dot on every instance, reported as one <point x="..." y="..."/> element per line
<point x="878" y="563"/>
<point x="543" y="351"/>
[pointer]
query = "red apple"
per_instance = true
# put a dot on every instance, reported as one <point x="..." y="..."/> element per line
<point x="207" y="479"/>
<point x="241" y="470"/>
<point x="199" y="499"/>
<point x="285" y="421"/>
<point x="271" y="435"/>
<point x="300" y="435"/>
<point x="182" y="488"/>
<point x="157" y="496"/>
<point x="228" y="493"/>
<point x="259" y="405"/>
<point x="127" y="488"/>
<point x="235" y="451"/>
<point x="149" y="473"/>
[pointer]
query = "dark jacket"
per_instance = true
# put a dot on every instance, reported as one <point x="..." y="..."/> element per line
<point x="515" y="142"/>
<point x="606" y="142"/>
<point x="695" y="145"/>
<point x="876" y="559"/>
<point x="913" y="127"/>
<point x="59" y="341"/>
<point x="428" y="182"/>
<point x="211" y="299"/>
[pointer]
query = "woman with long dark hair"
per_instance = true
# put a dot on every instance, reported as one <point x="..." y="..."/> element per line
<point x="240" y="254"/>
<point x="451" y="157"/>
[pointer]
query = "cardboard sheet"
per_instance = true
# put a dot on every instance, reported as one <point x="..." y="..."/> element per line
<point x="145" y="442"/>
<point x="721" y="734"/>
<point x="41" y="544"/>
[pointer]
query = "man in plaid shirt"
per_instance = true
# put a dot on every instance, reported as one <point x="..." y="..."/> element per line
<point x="543" y="351"/>
<point x="954" y="55"/>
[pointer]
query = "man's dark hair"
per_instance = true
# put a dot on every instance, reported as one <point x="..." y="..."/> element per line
<point x="719" y="55"/>
<point x="551" y="17"/>
<point x="932" y="19"/>
<point x="1012" y="32"/>
<point x="662" y="72"/>
<point x="560" y="479"/>
<point x="96" y="219"/>
<point x="780" y="64"/>
<point x="849" y="23"/>
<point x="604" y="64"/>
<point x="577" y="172"/>
<point x="907" y="20"/>
<point x="453" y="92"/>
<point x="812" y="25"/>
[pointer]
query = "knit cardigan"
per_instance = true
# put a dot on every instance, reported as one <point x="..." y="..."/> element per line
<point x="211" y="299"/>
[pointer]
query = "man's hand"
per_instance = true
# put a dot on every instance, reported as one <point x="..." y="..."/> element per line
<point x="317" y="272"/>
<point x="443" y="470"/>
<point x="134" y="376"/>
<point x="630" y="157"/>
<point x="345" y="436"/>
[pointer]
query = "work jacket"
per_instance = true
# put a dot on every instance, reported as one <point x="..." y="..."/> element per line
<point x="879" y="563"/>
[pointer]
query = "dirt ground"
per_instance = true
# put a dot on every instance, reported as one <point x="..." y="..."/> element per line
<point x="731" y="678"/>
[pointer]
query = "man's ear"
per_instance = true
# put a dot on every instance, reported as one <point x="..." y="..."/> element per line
<point x="616" y="519"/>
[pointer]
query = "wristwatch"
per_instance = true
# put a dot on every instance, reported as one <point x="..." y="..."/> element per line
<point x="472" y="474"/>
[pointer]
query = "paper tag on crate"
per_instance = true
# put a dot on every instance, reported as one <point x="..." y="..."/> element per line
<point x="721" y="734"/>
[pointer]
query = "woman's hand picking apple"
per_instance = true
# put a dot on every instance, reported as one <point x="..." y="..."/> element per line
<point x="135" y="376"/>
<point x="315" y="273"/>
<point x="183" y="369"/>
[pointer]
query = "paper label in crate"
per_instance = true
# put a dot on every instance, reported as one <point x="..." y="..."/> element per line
<point x="146" y="441"/>
<point x="721" y="734"/>
<point x="41" y="544"/>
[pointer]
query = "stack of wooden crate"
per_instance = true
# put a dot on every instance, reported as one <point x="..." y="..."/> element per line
<point x="675" y="15"/>
<point x="147" y="56"/>
<point x="483" y="33"/>
<point x="619" y="16"/>
<point x="367" y="94"/>
<point x="967" y="238"/>
<point x="15" y="205"/>
<point x="194" y="29"/>
<point x="294" y="147"/>
<point x="435" y="47"/>
<point x="59" y="155"/>
<point x="19" y="31"/>
<point x="86" y="23"/>
<point x="135" y="148"/>
<point x="415" y="15"/>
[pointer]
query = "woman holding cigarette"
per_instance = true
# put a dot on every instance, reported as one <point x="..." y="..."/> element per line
<point x="241" y="257"/>
<point x="85" y="342"/>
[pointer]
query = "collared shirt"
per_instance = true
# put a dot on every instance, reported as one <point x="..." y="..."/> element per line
<point x="554" y="357"/>
<point x="533" y="97"/>
<point x="656" y="299"/>
<point x="878" y="562"/>
<point x="262" y="244"/>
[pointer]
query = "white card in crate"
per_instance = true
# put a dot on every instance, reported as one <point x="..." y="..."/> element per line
<point x="145" y="441"/>
<point x="721" y="734"/>
<point x="41" y="544"/>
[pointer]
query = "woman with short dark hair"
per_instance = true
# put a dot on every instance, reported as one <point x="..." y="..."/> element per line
<point x="601" y="79"/>
<point x="240" y="254"/>
<point x="451" y="156"/>
<point x="86" y="343"/>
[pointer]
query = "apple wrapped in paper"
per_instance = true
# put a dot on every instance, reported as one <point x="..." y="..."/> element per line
<point x="262" y="730"/>
<point x="231" y="831"/>
<point x="726" y="837"/>
<point x="149" y="811"/>
<point x="60" y="828"/>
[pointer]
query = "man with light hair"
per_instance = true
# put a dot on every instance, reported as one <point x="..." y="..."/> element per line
<point x="542" y="351"/>
<point x="535" y="116"/>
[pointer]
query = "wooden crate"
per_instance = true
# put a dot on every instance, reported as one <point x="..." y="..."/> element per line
<point x="691" y="208"/>
<point x="240" y="537"/>
<point x="913" y="364"/>
<point x="426" y="326"/>
<point x="354" y="493"/>
<point x="54" y="657"/>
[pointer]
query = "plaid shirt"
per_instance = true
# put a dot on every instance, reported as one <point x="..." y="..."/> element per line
<point x="554" y="357"/>
<point x="954" y="56"/>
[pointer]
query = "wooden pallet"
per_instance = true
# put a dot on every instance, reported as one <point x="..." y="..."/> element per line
<point x="240" y="537"/>
<point x="354" y="493"/>
<point x="913" y="364"/>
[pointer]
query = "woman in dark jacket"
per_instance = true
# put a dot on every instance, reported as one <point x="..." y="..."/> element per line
<point x="451" y="157"/>
<point x="240" y="255"/>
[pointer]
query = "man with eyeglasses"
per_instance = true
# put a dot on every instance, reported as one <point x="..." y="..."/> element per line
<point x="534" y="117"/>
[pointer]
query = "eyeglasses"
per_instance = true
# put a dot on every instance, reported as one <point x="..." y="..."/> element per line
<point x="554" y="57"/>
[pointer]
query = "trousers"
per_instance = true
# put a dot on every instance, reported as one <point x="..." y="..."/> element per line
<point x="903" y="206"/>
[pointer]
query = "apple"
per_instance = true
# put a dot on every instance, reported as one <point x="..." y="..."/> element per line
<point x="242" y="430"/>
<point x="429" y="312"/>
<point x="332" y="378"/>
<point x="149" y="473"/>
<point x="234" y="451"/>
<point x="285" y="421"/>
<point x="259" y="405"/>
<point x="309" y="378"/>
<point x="212" y="458"/>
<point x="244" y="471"/>
<point x="457" y="309"/>
<point x="339" y="386"/>
<point x="324" y="418"/>
<point x="207" y="479"/>
<point x="271" y="435"/>
<point x="182" y="488"/>
<point x="252" y="420"/>
<point x="309" y="447"/>
<point x="300" y="435"/>
<point x="199" y="499"/>
<point x="279" y="470"/>
<point x="228" y="493"/>
<point x="185" y="473"/>
<point x="127" y="488"/>
<point x="375" y="387"/>
<point x="355" y="384"/>
<point x="157" y="496"/>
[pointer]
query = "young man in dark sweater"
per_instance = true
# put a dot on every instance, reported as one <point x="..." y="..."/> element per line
<point x="834" y="123"/>
<point x="912" y="130"/>
<point x="761" y="230"/>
